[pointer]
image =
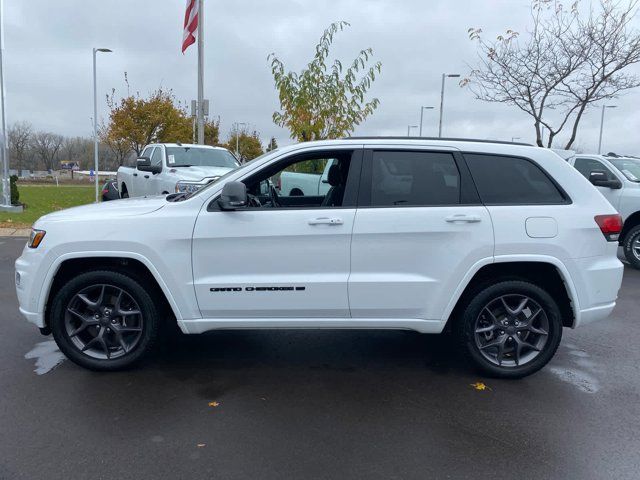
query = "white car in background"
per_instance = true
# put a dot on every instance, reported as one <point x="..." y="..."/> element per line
<point x="165" y="168"/>
<point x="618" y="179"/>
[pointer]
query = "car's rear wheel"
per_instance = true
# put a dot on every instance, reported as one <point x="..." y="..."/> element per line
<point x="631" y="247"/>
<point x="104" y="320"/>
<point x="510" y="329"/>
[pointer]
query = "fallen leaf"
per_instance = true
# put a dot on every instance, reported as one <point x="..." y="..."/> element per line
<point x="480" y="386"/>
<point x="200" y="445"/>
<point x="213" y="404"/>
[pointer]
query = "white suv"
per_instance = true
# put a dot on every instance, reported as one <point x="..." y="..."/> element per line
<point x="502" y="244"/>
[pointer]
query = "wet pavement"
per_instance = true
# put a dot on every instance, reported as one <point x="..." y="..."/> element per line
<point x="319" y="404"/>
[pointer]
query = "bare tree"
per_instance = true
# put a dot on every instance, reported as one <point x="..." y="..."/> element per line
<point x="19" y="142"/>
<point x="119" y="147"/>
<point x="570" y="60"/>
<point x="47" y="146"/>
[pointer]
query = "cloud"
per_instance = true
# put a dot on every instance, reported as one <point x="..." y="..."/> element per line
<point x="48" y="61"/>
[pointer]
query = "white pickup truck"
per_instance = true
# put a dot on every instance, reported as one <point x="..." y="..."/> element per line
<point x="618" y="179"/>
<point x="292" y="183"/>
<point x="165" y="168"/>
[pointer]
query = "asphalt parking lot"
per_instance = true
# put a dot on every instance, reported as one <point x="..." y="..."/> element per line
<point x="319" y="404"/>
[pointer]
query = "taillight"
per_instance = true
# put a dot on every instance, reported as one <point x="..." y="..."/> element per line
<point x="610" y="226"/>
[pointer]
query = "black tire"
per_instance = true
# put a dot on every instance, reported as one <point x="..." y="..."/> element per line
<point x="148" y="320"/>
<point x="627" y="246"/>
<point x="296" y="192"/>
<point x="477" y="347"/>
<point x="125" y="193"/>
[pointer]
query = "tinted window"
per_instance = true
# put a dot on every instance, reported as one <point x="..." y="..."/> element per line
<point x="586" y="165"/>
<point x="510" y="180"/>
<point x="413" y="179"/>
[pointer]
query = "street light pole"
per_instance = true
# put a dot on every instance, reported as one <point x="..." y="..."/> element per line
<point x="409" y="127"/>
<point x="95" y="118"/>
<point x="444" y="75"/>
<point x="6" y="184"/>
<point x="602" y="126"/>
<point x="422" y="109"/>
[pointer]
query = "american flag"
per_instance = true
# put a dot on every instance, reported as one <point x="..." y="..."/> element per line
<point x="190" y="24"/>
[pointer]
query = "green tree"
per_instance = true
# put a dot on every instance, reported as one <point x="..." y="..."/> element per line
<point x="273" y="144"/>
<point x="15" y="194"/>
<point x="139" y="121"/>
<point x="322" y="101"/>
<point x="212" y="132"/>
<point x="248" y="143"/>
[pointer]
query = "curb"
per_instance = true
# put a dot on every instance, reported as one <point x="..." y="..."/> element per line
<point x="15" y="232"/>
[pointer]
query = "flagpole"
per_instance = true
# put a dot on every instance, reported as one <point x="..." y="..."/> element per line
<point x="200" y="72"/>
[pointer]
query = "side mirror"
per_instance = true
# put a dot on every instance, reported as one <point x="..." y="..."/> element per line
<point x="233" y="196"/>
<point x="599" y="178"/>
<point x="143" y="162"/>
<point x="144" y="165"/>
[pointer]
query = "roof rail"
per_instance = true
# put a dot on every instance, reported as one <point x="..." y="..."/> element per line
<point x="447" y="139"/>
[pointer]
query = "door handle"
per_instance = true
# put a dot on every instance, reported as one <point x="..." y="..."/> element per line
<point x="326" y="221"/>
<point x="146" y="176"/>
<point x="463" y="219"/>
<point x="135" y="174"/>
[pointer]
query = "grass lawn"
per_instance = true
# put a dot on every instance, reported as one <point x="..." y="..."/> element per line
<point x="42" y="199"/>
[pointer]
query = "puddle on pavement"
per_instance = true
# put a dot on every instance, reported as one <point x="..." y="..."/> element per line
<point x="47" y="356"/>
<point x="581" y="371"/>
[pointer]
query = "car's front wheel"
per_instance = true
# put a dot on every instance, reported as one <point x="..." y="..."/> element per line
<point x="104" y="320"/>
<point x="631" y="247"/>
<point x="510" y="329"/>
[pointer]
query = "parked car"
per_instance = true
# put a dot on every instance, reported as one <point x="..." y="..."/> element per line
<point x="110" y="190"/>
<point x="501" y="244"/>
<point x="292" y="183"/>
<point x="618" y="179"/>
<point x="165" y="168"/>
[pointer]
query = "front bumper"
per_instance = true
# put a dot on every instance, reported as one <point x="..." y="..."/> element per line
<point x="28" y="288"/>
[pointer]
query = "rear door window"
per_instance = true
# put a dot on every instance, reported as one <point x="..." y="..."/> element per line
<point x="503" y="180"/>
<point x="413" y="178"/>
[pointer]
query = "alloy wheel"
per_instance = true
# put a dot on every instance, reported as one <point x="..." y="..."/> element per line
<point x="103" y="321"/>
<point x="511" y="330"/>
<point x="635" y="247"/>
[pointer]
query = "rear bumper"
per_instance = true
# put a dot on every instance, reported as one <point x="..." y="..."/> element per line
<point x="596" y="313"/>
<point x="597" y="281"/>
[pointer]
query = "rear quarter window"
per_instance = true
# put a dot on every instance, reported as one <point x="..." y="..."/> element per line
<point x="504" y="180"/>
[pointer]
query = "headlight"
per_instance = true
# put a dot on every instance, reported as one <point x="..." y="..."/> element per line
<point x="188" y="187"/>
<point x="36" y="238"/>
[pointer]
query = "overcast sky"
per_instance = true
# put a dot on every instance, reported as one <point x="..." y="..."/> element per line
<point x="48" y="62"/>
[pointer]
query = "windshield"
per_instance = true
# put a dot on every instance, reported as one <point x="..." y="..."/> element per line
<point x="223" y="177"/>
<point x="200" y="157"/>
<point x="630" y="167"/>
